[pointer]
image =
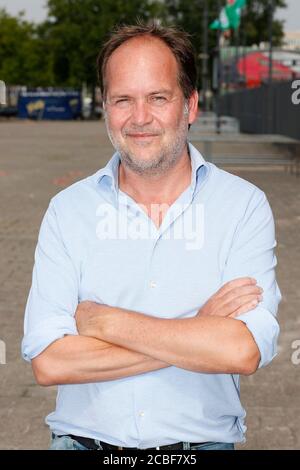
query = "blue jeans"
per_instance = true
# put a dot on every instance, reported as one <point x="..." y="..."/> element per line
<point x="67" y="443"/>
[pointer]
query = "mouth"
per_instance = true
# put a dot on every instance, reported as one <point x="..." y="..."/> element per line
<point x="141" y="136"/>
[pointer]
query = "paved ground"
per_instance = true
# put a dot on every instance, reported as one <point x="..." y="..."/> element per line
<point x="39" y="159"/>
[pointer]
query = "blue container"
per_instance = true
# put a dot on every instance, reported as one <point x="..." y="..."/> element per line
<point x="63" y="105"/>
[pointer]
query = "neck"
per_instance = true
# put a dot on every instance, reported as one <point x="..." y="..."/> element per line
<point x="157" y="189"/>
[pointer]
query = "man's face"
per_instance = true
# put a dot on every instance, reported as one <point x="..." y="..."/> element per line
<point x="146" y="114"/>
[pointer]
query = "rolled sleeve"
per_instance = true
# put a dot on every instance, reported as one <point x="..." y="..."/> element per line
<point x="265" y="331"/>
<point x="252" y="254"/>
<point x="53" y="297"/>
<point x="46" y="332"/>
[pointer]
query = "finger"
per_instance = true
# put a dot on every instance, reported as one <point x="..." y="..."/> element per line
<point x="239" y="282"/>
<point x="244" y="309"/>
<point x="238" y="292"/>
<point x="239" y="302"/>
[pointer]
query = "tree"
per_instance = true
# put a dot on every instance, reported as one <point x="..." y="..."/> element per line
<point x="76" y="29"/>
<point x="15" y="40"/>
<point x="23" y="53"/>
<point x="256" y="19"/>
<point x="189" y="13"/>
<point x="62" y="51"/>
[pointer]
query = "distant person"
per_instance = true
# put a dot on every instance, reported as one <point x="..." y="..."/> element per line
<point x="154" y="280"/>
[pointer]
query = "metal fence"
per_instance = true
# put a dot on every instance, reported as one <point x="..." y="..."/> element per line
<point x="265" y="110"/>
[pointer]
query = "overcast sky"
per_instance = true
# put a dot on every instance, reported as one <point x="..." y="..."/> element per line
<point x="36" y="11"/>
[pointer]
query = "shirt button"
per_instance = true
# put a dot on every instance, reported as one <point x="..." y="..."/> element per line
<point x="153" y="284"/>
<point x="141" y="413"/>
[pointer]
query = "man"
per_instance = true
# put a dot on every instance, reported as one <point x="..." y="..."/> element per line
<point x="154" y="283"/>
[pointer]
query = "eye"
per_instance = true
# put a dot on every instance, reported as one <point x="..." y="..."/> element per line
<point x="158" y="100"/>
<point x="122" y="102"/>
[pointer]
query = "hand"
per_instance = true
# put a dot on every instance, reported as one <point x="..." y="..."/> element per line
<point x="234" y="298"/>
<point x="88" y="317"/>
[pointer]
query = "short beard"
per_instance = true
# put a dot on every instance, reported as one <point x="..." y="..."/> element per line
<point x="168" y="157"/>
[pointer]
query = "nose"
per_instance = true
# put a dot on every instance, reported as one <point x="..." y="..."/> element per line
<point x="141" y="113"/>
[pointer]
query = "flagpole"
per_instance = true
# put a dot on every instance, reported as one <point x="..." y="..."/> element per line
<point x="271" y="14"/>
<point x="270" y="100"/>
<point x="218" y="92"/>
<point x="244" y="46"/>
<point x="205" y="53"/>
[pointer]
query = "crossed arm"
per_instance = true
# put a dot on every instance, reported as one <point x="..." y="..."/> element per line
<point x="115" y="343"/>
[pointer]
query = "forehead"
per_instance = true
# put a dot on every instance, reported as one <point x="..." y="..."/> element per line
<point x="142" y="62"/>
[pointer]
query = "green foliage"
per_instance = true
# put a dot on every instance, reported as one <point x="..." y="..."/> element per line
<point x="23" y="53"/>
<point x="255" y="22"/>
<point x="62" y="50"/>
<point x="78" y="27"/>
<point x="189" y="14"/>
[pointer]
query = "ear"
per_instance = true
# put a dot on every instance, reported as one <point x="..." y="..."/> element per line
<point x="193" y="106"/>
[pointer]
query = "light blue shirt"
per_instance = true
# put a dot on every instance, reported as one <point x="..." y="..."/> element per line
<point x="97" y="244"/>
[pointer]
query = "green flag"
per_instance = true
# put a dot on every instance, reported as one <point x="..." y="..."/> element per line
<point x="230" y="16"/>
<point x="233" y="12"/>
<point x="222" y="22"/>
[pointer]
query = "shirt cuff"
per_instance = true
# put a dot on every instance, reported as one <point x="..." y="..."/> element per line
<point x="265" y="331"/>
<point x="45" y="333"/>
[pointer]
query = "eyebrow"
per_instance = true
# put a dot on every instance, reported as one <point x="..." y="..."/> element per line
<point x="163" y="91"/>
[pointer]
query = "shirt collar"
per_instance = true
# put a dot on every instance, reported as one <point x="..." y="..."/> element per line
<point x="109" y="175"/>
<point x="199" y="166"/>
